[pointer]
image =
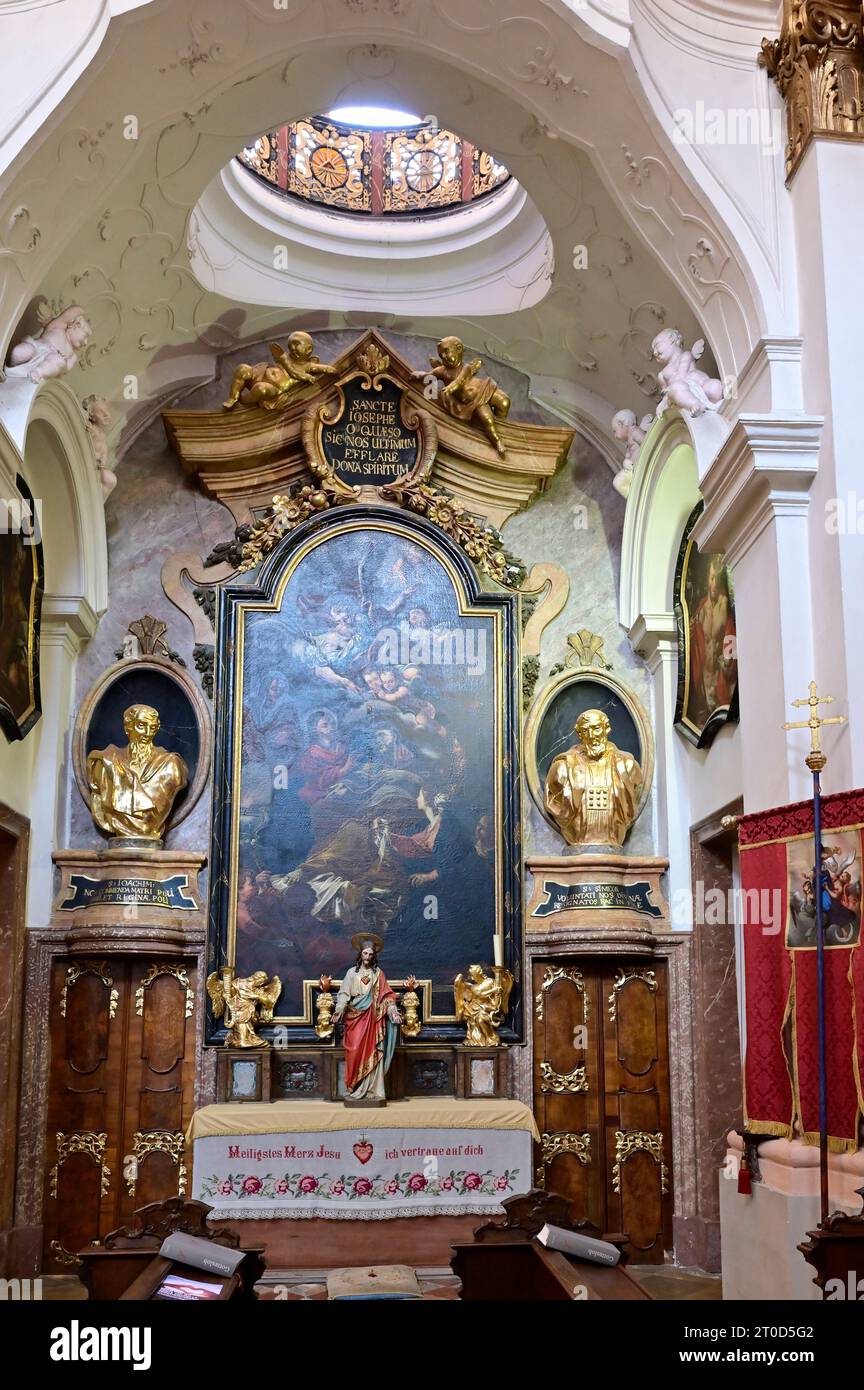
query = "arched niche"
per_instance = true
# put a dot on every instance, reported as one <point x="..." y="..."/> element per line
<point x="44" y="439"/>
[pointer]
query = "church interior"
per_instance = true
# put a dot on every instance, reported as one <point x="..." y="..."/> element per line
<point x="430" y="807"/>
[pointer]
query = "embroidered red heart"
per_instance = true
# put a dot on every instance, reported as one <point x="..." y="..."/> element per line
<point x="363" y="1150"/>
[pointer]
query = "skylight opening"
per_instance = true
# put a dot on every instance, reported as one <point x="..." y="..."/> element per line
<point x="374" y="117"/>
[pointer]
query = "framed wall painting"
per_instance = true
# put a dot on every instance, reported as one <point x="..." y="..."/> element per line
<point x="704" y="600"/>
<point x="366" y="765"/>
<point x="22" y="585"/>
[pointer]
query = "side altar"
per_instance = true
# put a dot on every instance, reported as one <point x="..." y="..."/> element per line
<point x="369" y="637"/>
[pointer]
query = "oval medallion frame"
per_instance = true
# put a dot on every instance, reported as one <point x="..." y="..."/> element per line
<point x="151" y="668"/>
<point x="627" y="702"/>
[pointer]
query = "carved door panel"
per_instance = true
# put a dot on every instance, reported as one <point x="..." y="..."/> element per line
<point x="80" y="1158"/>
<point x="601" y="1095"/>
<point x="160" y="1082"/>
<point x="567" y="1059"/>
<point x="638" y="1140"/>
<point x="121" y="1093"/>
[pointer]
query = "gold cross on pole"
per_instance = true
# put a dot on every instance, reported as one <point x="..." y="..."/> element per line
<point x="815" y="759"/>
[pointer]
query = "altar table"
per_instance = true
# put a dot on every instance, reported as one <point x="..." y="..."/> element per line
<point x="313" y="1158"/>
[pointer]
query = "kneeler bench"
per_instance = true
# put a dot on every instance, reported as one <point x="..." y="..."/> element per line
<point x="506" y="1262"/>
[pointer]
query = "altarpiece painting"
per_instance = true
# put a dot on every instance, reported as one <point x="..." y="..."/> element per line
<point x="368" y="771"/>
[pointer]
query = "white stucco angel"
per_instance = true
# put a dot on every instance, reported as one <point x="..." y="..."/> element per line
<point x="630" y="432"/>
<point x="98" y="419"/>
<point x="54" y="351"/>
<point x="682" y="382"/>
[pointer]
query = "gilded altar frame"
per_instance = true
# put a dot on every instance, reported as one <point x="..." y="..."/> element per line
<point x="263" y="592"/>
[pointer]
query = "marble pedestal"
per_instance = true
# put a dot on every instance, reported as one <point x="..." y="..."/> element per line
<point x="138" y="885"/>
<point x="598" y="893"/>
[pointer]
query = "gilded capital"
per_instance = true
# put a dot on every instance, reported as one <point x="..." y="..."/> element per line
<point x="818" y="65"/>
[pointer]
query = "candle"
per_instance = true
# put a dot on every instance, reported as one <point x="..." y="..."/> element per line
<point x="498" y="947"/>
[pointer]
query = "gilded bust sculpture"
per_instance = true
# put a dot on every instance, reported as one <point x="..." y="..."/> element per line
<point x="593" y="790"/>
<point x="133" y="789"/>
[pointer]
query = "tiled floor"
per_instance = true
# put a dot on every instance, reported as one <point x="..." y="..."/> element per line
<point x="667" y="1282"/>
<point x="661" y="1281"/>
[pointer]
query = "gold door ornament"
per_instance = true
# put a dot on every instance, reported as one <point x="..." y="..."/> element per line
<point x="89" y="967"/>
<point x="626" y="977"/>
<point x="629" y="1142"/>
<point x="551" y="975"/>
<point x="84" y="1142"/>
<point x="575" y="1081"/>
<point x="552" y="1145"/>
<point x="162" y="1141"/>
<point x="181" y="975"/>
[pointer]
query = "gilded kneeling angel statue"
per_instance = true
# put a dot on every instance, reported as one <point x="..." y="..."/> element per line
<point x="245" y="1001"/>
<point x="367" y="1006"/>
<point x="481" y="1003"/>
<point x="593" y="790"/>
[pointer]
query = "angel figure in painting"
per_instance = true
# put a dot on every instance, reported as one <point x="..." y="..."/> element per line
<point x="270" y="385"/>
<point x="682" y="382"/>
<point x="481" y="1003"/>
<point x="245" y="1002"/>
<point x="368" y="1007"/>
<point x="465" y="393"/>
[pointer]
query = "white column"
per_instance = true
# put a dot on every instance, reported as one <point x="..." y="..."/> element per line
<point x="654" y="636"/>
<point x="67" y="624"/>
<point x="827" y="194"/>
<point x="757" y="500"/>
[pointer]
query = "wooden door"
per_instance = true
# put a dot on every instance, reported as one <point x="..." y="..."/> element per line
<point x="601" y="1095"/>
<point x="636" y="1099"/>
<point x="121" y="1093"/>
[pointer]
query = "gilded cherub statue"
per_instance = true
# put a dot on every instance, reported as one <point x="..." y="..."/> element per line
<point x="245" y="1002"/>
<point x="593" y="790"/>
<point x="481" y="1003"/>
<point x="466" y="393"/>
<point x="682" y="382"/>
<point x="269" y="386"/>
<point x="133" y="789"/>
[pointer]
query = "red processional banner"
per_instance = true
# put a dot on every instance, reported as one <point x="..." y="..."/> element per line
<point x="779" y="886"/>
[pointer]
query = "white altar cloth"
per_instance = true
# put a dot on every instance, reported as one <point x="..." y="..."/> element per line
<point x="294" y="1159"/>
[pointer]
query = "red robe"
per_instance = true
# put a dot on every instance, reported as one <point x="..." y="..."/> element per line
<point x="366" y="1030"/>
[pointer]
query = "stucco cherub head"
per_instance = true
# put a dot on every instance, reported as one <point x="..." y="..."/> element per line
<point x="622" y="423"/>
<point x="667" y="343"/>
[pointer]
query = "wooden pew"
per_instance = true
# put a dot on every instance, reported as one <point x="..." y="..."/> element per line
<point x="506" y="1262"/>
<point x="109" y="1269"/>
